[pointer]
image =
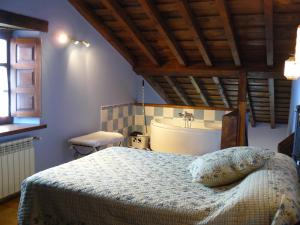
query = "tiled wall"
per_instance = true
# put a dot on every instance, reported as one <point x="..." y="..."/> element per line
<point x="129" y="117"/>
<point x="118" y="118"/>
<point x="169" y="112"/>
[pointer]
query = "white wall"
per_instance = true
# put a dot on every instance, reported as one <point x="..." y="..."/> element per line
<point x="295" y="100"/>
<point x="76" y="81"/>
<point x="263" y="136"/>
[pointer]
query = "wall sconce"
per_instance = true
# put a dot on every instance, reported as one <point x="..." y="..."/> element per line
<point x="63" y="39"/>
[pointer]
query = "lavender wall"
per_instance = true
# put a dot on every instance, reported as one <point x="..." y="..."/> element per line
<point x="76" y="81"/>
<point x="295" y="100"/>
<point x="263" y="136"/>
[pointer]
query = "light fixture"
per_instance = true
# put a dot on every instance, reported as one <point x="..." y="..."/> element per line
<point x="63" y="39"/>
<point x="292" y="65"/>
<point x="291" y="69"/>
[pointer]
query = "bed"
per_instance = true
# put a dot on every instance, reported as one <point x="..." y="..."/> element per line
<point x="122" y="186"/>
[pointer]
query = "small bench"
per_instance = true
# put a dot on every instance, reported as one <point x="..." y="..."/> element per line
<point x="95" y="141"/>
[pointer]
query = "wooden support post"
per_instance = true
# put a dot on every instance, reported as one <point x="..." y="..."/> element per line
<point x="199" y="91"/>
<point x="242" y="109"/>
<point x="272" y="102"/>
<point x="178" y="91"/>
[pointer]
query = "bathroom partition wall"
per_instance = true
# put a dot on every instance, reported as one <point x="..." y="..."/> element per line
<point x="129" y="117"/>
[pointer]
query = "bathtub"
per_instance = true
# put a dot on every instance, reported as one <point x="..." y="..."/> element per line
<point x="171" y="135"/>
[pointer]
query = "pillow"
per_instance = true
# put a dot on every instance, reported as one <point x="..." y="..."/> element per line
<point x="228" y="165"/>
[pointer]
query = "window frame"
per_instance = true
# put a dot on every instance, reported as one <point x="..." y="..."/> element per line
<point x="7" y="34"/>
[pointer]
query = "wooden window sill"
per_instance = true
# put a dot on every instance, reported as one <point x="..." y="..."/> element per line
<point x="11" y="129"/>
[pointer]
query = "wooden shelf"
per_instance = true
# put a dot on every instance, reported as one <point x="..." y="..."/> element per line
<point x="11" y="129"/>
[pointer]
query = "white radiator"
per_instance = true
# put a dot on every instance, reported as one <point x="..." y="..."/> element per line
<point x="16" y="164"/>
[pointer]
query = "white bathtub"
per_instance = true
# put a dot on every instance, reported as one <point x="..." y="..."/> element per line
<point x="170" y="135"/>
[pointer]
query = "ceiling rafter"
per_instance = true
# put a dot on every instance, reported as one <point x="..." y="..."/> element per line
<point x="221" y="91"/>
<point x="154" y="15"/>
<point x="197" y="36"/>
<point x="158" y="89"/>
<point x="119" y="13"/>
<point x="249" y="103"/>
<point x="196" y="85"/>
<point x="269" y="33"/>
<point x="272" y="102"/>
<point x="84" y="10"/>
<point x="228" y="28"/>
<point x="178" y="91"/>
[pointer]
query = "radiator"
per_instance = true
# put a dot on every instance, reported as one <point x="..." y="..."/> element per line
<point x="16" y="164"/>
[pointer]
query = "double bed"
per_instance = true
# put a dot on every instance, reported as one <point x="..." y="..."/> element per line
<point x="122" y="186"/>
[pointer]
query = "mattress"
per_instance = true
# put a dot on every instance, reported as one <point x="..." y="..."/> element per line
<point x="120" y="186"/>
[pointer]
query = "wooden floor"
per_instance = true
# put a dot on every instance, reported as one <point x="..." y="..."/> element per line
<point x="8" y="212"/>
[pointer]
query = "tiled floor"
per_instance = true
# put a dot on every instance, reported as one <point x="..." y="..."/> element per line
<point x="8" y="212"/>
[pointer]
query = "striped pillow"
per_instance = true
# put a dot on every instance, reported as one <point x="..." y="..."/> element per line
<point x="228" y="165"/>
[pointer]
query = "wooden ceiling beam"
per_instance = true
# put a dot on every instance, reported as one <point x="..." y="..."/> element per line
<point x="228" y="28"/>
<point x="272" y="102"/>
<point x="197" y="36"/>
<point x="84" y="10"/>
<point x="221" y="91"/>
<point x="178" y="91"/>
<point x="120" y="14"/>
<point x="158" y="89"/>
<point x="268" y="16"/>
<point x="207" y="71"/>
<point x="154" y="15"/>
<point x="199" y="91"/>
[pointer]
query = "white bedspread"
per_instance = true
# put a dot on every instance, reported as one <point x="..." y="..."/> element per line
<point x="120" y="186"/>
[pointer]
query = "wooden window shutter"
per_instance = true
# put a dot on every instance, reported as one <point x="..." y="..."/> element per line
<point x="25" y="77"/>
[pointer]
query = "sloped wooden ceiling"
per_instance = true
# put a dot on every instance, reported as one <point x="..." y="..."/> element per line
<point x="193" y="52"/>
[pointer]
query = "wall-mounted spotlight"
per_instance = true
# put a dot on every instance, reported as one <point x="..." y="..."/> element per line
<point x="63" y="38"/>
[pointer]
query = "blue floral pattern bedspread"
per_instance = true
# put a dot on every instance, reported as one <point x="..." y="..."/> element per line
<point x="122" y="186"/>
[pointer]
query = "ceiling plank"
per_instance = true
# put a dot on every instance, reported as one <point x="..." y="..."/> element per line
<point x="199" y="91"/>
<point x="154" y="15"/>
<point x="197" y="36"/>
<point x="178" y="91"/>
<point x="17" y="21"/>
<point x="272" y="102"/>
<point x="268" y="15"/>
<point x="83" y="9"/>
<point x="119" y="13"/>
<point x="158" y="89"/>
<point x="228" y="28"/>
<point x="221" y="91"/>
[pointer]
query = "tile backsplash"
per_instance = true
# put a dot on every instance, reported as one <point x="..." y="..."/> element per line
<point x="118" y="118"/>
<point x="126" y="118"/>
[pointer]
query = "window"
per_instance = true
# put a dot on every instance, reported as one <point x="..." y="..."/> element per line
<point x="20" y="75"/>
<point x="4" y="78"/>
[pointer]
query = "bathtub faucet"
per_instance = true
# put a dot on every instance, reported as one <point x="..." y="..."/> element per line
<point x="186" y="116"/>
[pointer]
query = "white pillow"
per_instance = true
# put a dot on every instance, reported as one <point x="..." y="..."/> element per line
<point x="228" y="165"/>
